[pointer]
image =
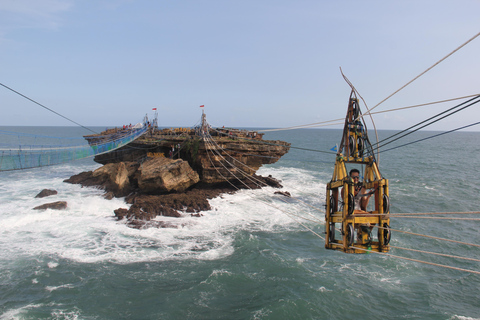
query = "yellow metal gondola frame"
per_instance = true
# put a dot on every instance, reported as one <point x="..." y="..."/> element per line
<point x="354" y="142"/>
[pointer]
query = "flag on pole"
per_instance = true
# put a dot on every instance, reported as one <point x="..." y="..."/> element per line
<point x="202" y="106"/>
<point x="154" y="109"/>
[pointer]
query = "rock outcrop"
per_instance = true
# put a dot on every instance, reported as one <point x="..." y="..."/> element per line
<point x="220" y="158"/>
<point x="46" y="193"/>
<point x="160" y="175"/>
<point x="154" y="176"/>
<point x="115" y="178"/>
<point x="115" y="175"/>
<point x="58" y="205"/>
<point x="172" y="172"/>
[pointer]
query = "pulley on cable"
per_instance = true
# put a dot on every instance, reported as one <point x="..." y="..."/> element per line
<point x="348" y="196"/>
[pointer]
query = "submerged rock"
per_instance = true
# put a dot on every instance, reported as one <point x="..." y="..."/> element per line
<point x="46" y="193"/>
<point x="283" y="193"/>
<point x="58" y="205"/>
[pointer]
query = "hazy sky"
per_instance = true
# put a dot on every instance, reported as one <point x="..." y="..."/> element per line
<point x="251" y="63"/>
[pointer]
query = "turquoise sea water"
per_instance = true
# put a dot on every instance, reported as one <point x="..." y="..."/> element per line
<point x="251" y="256"/>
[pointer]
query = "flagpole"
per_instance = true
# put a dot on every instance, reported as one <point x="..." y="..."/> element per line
<point x="155" y="119"/>
<point x="204" y="121"/>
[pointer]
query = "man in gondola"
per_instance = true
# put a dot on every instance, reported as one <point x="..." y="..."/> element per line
<point x="360" y="204"/>
<point x="361" y="197"/>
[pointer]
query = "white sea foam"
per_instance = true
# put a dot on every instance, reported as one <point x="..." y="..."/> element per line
<point x="57" y="312"/>
<point x="53" y="288"/>
<point x="87" y="231"/>
<point x="323" y="289"/>
<point x="14" y="314"/>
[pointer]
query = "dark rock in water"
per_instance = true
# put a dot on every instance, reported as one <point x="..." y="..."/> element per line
<point x="45" y="193"/>
<point x="283" y="193"/>
<point x="120" y="213"/>
<point x="272" y="182"/>
<point x="109" y="195"/>
<point x="198" y="215"/>
<point x="193" y="201"/>
<point x="112" y="177"/>
<point x="140" y="224"/>
<point x="59" y="205"/>
<point x="146" y="206"/>
<point x="84" y="178"/>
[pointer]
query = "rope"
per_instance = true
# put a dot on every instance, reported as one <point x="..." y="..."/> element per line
<point x="41" y="105"/>
<point x="420" y="261"/>
<point x="436" y="253"/>
<point x="460" y="128"/>
<point x="430" y="213"/>
<point x="415" y="215"/>
<point x="431" y="118"/>
<point x="257" y="182"/>
<point x="289" y="214"/>
<point x="439" y="218"/>
<point x="329" y="122"/>
<point x="209" y="137"/>
<point x="319" y="124"/>
<point x="245" y="174"/>
<point x="436" y="135"/>
<point x="431" y="237"/>
<point x="425" y="104"/>
<point x="421" y="74"/>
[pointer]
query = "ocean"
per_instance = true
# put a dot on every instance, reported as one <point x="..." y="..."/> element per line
<point x="255" y="255"/>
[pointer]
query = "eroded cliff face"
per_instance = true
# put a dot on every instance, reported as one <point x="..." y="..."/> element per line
<point x="230" y="159"/>
<point x="215" y="159"/>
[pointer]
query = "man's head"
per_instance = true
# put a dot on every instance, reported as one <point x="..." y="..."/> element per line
<point x="355" y="175"/>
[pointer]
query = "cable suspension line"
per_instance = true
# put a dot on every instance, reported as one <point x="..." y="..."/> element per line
<point x="426" y="104"/>
<point x="233" y="174"/>
<point x="431" y="118"/>
<point x="421" y="74"/>
<point x="396" y="134"/>
<point x="439" y="218"/>
<point x="436" y="135"/>
<point x="235" y="160"/>
<point x="431" y="237"/>
<point x="289" y="214"/>
<point x="41" y="105"/>
<point x="420" y="261"/>
<point x="432" y="213"/>
<point x="436" y="253"/>
<point x="335" y="121"/>
<point x="208" y="137"/>
<point x="302" y="126"/>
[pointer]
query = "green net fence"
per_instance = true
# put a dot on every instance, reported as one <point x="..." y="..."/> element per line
<point x="24" y="151"/>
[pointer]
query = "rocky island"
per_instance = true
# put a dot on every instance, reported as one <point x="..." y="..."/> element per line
<point x="170" y="171"/>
